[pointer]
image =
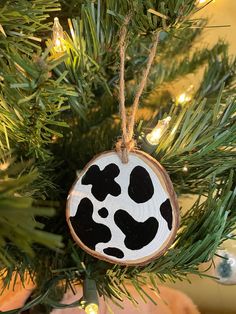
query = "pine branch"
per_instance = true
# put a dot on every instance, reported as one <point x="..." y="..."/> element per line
<point x="198" y="132"/>
<point x="30" y="100"/>
<point x="143" y="21"/>
<point x="18" y="227"/>
<point x="221" y="70"/>
<point x="29" y="113"/>
<point x="25" y="22"/>
<point x="92" y="69"/>
<point x="166" y="71"/>
<point x="179" y="42"/>
<point x="202" y="229"/>
<point x="93" y="40"/>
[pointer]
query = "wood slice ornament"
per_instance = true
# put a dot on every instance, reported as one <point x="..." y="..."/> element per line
<point x="123" y="208"/>
<point x="124" y="213"/>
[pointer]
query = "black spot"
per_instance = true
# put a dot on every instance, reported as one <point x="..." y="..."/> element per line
<point x="103" y="212"/>
<point x="113" y="251"/>
<point x="166" y="212"/>
<point x="89" y="231"/>
<point x="140" y="187"/>
<point x="138" y="234"/>
<point x="103" y="182"/>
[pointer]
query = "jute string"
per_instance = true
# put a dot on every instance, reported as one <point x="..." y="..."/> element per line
<point x="127" y="142"/>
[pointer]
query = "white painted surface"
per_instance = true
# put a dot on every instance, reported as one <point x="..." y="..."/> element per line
<point x="140" y="212"/>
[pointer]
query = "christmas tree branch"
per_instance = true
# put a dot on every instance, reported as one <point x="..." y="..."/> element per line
<point x="30" y="103"/>
<point x="199" y="131"/>
<point x="18" y="226"/>
<point x="167" y="71"/>
<point x="25" y="22"/>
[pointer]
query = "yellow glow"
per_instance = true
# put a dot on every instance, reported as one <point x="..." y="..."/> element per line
<point x="183" y="98"/>
<point x="58" y="42"/>
<point x="4" y="166"/>
<point x="58" y="36"/>
<point x="185" y="168"/>
<point x="204" y="1"/>
<point x="54" y="138"/>
<point x="154" y="136"/>
<point x="91" y="308"/>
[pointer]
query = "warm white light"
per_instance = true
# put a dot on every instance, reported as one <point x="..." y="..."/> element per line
<point x="154" y="136"/>
<point x="185" y="168"/>
<point x="58" y="36"/>
<point x="57" y="43"/>
<point x="203" y="1"/>
<point x="91" y="308"/>
<point x="54" y="138"/>
<point x="183" y="98"/>
<point x="4" y="165"/>
<point x="2" y="30"/>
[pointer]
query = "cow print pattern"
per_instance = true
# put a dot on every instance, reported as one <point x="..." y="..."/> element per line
<point x="113" y="251"/>
<point x="166" y="212"/>
<point x="103" y="212"/>
<point x="102" y="182"/>
<point x="137" y="234"/>
<point x="140" y="188"/>
<point x="89" y="231"/>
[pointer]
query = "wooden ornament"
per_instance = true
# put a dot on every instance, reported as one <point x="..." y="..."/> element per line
<point x="123" y="213"/>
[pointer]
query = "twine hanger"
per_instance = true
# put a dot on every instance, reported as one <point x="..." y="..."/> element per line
<point x="127" y="142"/>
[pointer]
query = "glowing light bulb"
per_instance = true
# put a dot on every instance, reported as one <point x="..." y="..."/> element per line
<point x="91" y="308"/>
<point x="58" y="36"/>
<point x="185" y="168"/>
<point x="203" y="1"/>
<point x="2" y="30"/>
<point x="4" y="165"/>
<point x="57" y="43"/>
<point x="183" y="98"/>
<point x="54" y="138"/>
<point x="154" y="136"/>
<point x="90" y="296"/>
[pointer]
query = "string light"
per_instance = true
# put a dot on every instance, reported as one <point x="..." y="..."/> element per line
<point x="58" y="36"/>
<point x="4" y="165"/>
<point x="91" y="308"/>
<point x="54" y="138"/>
<point x="90" y="296"/>
<point x="203" y="1"/>
<point x="185" y="168"/>
<point x="154" y="136"/>
<point x="2" y="30"/>
<point x="183" y="98"/>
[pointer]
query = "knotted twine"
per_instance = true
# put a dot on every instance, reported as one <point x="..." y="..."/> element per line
<point x="127" y="142"/>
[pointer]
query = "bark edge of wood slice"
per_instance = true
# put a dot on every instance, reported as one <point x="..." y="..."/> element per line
<point x="116" y="212"/>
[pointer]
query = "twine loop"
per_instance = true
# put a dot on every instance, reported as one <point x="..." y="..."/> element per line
<point x="127" y="143"/>
<point x="123" y="149"/>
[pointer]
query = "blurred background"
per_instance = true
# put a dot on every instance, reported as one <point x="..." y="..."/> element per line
<point x="222" y="25"/>
<point x="210" y="296"/>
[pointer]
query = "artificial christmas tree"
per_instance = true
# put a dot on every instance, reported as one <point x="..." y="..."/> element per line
<point x="59" y="107"/>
